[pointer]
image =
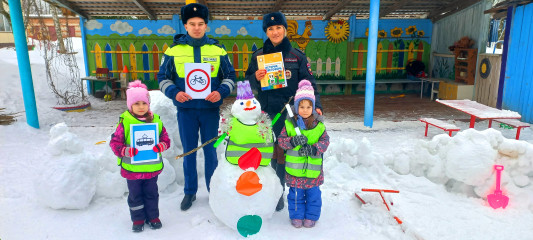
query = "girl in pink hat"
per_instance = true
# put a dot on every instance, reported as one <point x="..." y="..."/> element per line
<point x="143" y="194"/>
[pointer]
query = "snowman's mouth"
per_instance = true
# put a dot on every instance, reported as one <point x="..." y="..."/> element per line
<point x="249" y="109"/>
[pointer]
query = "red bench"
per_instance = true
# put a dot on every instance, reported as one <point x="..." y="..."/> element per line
<point x="447" y="127"/>
<point x="513" y="123"/>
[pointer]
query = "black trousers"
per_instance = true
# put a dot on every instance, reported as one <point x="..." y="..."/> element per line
<point x="143" y="199"/>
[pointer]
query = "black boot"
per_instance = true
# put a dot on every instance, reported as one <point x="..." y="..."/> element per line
<point x="186" y="203"/>
<point x="138" y="227"/>
<point x="154" y="224"/>
<point x="281" y="204"/>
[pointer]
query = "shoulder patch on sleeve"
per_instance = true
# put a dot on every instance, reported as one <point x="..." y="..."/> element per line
<point x="299" y="51"/>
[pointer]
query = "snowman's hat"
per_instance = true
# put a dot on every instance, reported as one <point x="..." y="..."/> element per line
<point x="244" y="91"/>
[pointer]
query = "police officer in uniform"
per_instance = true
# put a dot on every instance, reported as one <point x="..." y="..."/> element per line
<point x="196" y="114"/>
<point x="296" y="69"/>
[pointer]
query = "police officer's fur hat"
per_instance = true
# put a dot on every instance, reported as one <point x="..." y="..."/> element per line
<point x="275" y="18"/>
<point x="194" y="10"/>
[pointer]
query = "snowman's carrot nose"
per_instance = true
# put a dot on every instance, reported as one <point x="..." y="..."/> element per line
<point x="248" y="103"/>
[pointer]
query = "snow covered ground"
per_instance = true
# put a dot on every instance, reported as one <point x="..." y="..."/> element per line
<point x="57" y="183"/>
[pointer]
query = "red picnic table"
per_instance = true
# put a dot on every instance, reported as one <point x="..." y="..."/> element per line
<point x="478" y="110"/>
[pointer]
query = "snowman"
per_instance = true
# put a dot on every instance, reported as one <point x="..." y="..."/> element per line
<point x="245" y="189"/>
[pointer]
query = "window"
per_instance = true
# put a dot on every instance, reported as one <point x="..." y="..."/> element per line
<point x="4" y="25"/>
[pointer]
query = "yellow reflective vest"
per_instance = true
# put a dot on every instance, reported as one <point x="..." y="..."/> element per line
<point x="125" y="162"/>
<point x="242" y="138"/>
<point x="304" y="166"/>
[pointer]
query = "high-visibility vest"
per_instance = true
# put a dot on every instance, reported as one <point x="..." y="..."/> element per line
<point x="184" y="53"/>
<point x="242" y="138"/>
<point x="304" y="166"/>
<point x="125" y="162"/>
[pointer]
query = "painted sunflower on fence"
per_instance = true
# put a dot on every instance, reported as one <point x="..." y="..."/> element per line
<point x="382" y="34"/>
<point x="396" y="32"/>
<point x="420" y="33"/>
<point x="410" y="30"/>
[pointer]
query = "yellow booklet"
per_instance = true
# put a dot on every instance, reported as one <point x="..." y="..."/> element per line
<point x="275" y="76"/>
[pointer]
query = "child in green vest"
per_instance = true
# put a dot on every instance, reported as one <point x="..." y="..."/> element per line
<point x="143" y="195"/>
<point x="304" y="155"/>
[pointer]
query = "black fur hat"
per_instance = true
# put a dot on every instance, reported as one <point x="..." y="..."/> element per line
<point x="275" y="18"/>
<point x="194" y="10"/>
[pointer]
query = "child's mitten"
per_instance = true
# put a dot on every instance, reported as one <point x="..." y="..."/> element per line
<point x="160" y="147"/>
<point x="307" y="150"/>
<point x="129" y="151"/>
<point x="298" y="140"/>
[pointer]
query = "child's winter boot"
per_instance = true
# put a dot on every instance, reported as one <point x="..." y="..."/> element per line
<point x="138" y="226"/>
<point x="154" y="223"/>
<point x="297" y="223"/>
<point x="309" y="223"/>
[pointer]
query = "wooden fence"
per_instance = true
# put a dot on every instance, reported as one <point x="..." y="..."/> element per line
<point x="145" y="63"/>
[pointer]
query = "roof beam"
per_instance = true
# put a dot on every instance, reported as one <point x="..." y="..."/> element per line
<point x="67" y="5"/>
<point x="277" y="5"/>
<point x="450" y="9"/>
<point x="145" y="9"/>
<point x="393" y="8"/>
<point x="337" y="8"/>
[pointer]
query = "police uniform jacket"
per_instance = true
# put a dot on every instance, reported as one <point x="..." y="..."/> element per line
<point x="295" y="61"/>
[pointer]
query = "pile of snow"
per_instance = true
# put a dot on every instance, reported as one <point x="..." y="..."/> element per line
<point x="464" y="163"/>
<point x="67" y="177"/>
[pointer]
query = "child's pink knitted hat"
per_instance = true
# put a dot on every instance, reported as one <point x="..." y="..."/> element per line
<point x="305" y="91"/>
<point x="137" y="91"/>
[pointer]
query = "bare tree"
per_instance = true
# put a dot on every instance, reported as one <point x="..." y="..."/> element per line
<point x="62" y="71"/>
<point x="4" y="12"/>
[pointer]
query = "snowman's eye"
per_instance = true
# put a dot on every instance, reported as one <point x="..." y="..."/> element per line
<point x="242" y="103"/>
<point x="253" y="101"/>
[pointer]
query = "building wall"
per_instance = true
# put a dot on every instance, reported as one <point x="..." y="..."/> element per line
<point x="518" y="85"/>
<point x="470" y="22"/>
<point x="336" y="50"/>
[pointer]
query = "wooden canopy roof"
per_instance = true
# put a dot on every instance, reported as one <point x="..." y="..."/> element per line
<point x="254" y="9"/>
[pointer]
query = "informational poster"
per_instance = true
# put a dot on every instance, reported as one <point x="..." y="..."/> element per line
<point x="198" y="80"/>
<point x="144" y="137"/>
<point x="275" y="76"/>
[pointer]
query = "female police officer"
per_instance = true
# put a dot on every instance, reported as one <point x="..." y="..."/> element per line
<point x="296" y="69"/>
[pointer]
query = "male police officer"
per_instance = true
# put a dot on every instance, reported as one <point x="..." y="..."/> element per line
<point x="196" y="114"/>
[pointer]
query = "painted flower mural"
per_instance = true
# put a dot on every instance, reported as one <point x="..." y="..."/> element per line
<point x="382" y="34"/>
<point x="396" y="32"/>
<point x="410" y="30"/>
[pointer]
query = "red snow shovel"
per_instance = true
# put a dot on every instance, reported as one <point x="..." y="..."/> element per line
<point x="497" y="199"/>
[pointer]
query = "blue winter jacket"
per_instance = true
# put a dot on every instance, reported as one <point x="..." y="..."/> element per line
<point x="171" y="84"/>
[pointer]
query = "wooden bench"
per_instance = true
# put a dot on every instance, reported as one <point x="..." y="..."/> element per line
<point x="513" y="123"/>
<point x="378" y="81"/>
<point x="447" y="127"/>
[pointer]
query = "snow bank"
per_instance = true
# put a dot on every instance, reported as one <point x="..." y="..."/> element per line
<point x="67" y="178"/>
<point x="464" y="163"/>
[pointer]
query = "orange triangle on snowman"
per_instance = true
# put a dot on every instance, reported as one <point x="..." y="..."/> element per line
<point x="252" y="158"/>
<point x="248" y="184"/>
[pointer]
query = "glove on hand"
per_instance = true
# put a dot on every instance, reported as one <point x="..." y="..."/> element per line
<point x="298" y="140"/>
<point x="307" y="150"/>
<point x="160" y="147"/>
<point x="129" y="152"/>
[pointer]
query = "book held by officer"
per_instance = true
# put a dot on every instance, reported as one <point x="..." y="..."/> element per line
<point x="275" y="76"/>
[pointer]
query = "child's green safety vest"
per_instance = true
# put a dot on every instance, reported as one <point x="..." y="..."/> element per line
<point x="125" y="162"/>
<point x="304" y="166"/>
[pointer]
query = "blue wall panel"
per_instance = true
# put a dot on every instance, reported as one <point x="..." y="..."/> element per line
<point x="517" y="94"/>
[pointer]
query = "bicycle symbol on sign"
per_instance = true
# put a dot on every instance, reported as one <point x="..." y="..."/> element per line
<point x="198" y="79"/>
